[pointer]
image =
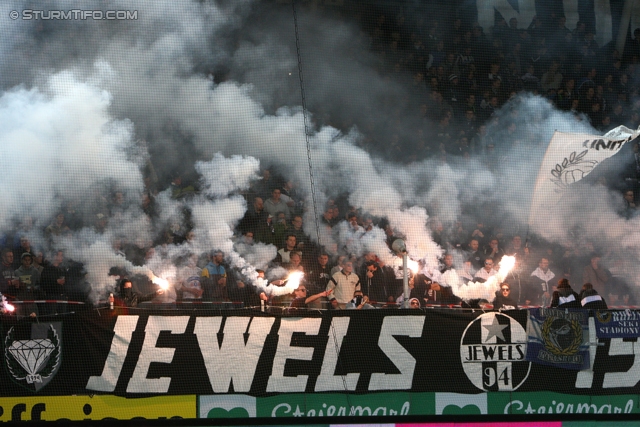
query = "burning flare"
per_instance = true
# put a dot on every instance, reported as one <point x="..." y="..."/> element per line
<point x="9" y="308"/>
<point x="413" y="266"/>
<point x="281" y="287"/>
<point x="506" y="265"/>
<point x="487" y="289"/>
<point x="293" y="280"/>
<point x="162" y="283"/>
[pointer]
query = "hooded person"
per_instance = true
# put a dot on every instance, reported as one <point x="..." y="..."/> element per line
<point x="301" y="300"/>
<point x="443" y="295"/>
<point x="29" y="278"/>
<point x="359" y="301"/>
<point x="127" y="297"/>
<point x="374" y="283"/>
<point x="419" y="287"/>
<point x="590" y="299"/>
<point x="565" y="297"/>
<point x="503" y="298"/>
<point x="28" y="288"/>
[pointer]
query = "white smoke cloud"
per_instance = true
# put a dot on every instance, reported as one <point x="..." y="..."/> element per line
<point x="359" y="242"/>
<point x="74" y="106"/>
<point x="41" y="127"/>
<point x="258" y="255"/>
<point x="224" y="175"/>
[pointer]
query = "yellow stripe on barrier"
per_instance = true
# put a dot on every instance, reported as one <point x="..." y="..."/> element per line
<point x="98" y="407"/>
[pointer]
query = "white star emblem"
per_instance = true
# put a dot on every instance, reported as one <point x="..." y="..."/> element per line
<point x="495" y="329"/>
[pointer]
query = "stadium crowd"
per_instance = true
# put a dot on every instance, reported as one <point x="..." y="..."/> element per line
<point x="335" y="278"/>
<point x="461" y="76"/>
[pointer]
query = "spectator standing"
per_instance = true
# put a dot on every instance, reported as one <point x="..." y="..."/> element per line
<point x="597" y="275"/>
<point x="343" y="284"/>
<point x="190" y="278"/>
<point x="9" y="278"/>
<point x="565" y="297"/>
<point x="485" y="273"/>
<point x="214" y="279"/>
<point x="275" y="205"/>
<point x="284" y="254"/>
<point x="539" y="290"/>
<point x="503" y="299"/>
<point x="301" y="300"/>
<point x="318" y="278"/>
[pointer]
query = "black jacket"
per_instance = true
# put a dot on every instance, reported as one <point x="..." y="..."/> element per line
<point x="575" y="303"/>
<point x="502" y="302"/>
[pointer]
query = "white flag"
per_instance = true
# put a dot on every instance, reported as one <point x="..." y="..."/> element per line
<point x="569" y="158"/>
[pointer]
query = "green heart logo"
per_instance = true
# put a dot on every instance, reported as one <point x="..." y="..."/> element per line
<point x="223" y="413"/>
<point x="466" y="410"/>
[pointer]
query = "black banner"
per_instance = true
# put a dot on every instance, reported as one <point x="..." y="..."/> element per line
<point x="144" y="353"/>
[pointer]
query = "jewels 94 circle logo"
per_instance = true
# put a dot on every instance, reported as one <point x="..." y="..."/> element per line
<point x="33" y="362"/>
<point x="493" y="349"/>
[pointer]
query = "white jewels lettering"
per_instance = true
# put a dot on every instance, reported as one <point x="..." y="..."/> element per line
<point x="492" y="353"/>
<point x="278" y="382"/>
<point x="233" y="360"/>
<point x="404" y="361"/>
<point x="139" y="382"/>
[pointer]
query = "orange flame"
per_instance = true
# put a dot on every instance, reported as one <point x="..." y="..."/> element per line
<point x="413" y="265"/>
<point x="293" y="280"/>
<point x="162" y="283"/>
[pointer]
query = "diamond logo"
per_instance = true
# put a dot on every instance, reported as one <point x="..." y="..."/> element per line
<point x="33" y="362"/>
<point x="32" y="354"/>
